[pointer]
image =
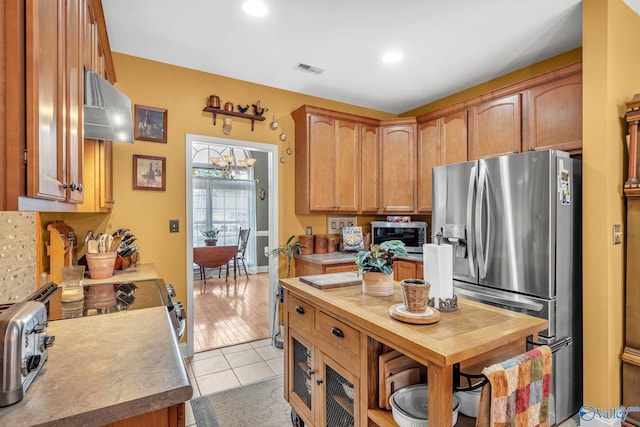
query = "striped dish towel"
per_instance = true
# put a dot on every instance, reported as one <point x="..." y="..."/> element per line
<point x="518" y="391"/>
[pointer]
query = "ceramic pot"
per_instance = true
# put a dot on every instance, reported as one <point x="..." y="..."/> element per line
<point x="210" y="242"/>
<point x="377" y="284"/>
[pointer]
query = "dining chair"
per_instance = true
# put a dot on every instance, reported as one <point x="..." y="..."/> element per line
<point x="243" y="240"/>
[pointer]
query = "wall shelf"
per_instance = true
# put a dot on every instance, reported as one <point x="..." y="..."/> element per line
<point x="217" y="111"/>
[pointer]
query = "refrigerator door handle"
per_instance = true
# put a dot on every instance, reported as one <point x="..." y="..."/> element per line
<point x="470" y="230"/>
<point x="480" y="249"/>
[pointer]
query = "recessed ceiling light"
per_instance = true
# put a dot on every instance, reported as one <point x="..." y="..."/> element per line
<point x="254" y="8"/>
<point x="392" y="56"/>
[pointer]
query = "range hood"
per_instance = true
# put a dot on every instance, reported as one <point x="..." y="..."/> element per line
<point x="107" y="111"/>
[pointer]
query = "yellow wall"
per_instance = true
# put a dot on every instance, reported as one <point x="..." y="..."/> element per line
<point x="610" y="73"/>
<point x="183" y="92"/>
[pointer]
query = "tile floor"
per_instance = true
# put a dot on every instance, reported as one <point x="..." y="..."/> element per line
<point x="231" y="367"/>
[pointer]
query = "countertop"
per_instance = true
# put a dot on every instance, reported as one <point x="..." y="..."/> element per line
<point x="131" y="274"/>
<point x="342" y="258"/>
<point x="473" y="329"/>
<point x="104" y="369"/>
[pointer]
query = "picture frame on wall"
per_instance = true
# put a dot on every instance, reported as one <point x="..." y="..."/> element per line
<point x="150" y="124"/>
<point x="149" y="172"/>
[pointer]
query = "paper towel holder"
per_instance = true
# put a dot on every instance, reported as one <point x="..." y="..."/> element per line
<point x="446" y="305"/>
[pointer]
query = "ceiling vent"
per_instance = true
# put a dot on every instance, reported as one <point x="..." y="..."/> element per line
<point x="310" y="68"/>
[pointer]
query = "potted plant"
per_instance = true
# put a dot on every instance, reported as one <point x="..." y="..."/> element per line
<point x="376" y="266"/>
<point x="211" y="236"/>
<point x="288" y="249"/>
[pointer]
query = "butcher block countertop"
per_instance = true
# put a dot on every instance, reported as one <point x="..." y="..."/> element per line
<point x="473" y="329"/>
<point x="104" y="369"/>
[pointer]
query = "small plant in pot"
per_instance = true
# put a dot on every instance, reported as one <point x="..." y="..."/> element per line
<point x="211" y="236"/>
<point x="376" y="266"/>
<point x="288" y="249"/>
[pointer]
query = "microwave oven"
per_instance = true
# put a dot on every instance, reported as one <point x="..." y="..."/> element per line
<point x="413" y="234"/>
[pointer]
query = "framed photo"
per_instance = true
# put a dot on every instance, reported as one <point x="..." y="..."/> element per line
<point x="149" y="172"/>
<point x="150" y="124"/>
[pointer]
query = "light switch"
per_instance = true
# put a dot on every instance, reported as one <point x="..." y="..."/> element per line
<point x="174" y="226"/>
<point x="617" y="234"/>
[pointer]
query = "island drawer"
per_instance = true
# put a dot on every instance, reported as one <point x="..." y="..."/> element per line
<point x="340" y="341"/>
<point x="302" y="316"/>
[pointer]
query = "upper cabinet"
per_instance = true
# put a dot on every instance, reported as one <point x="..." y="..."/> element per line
<point x="555" y="115"/>
<point x="441" y="141"/>
<point x="395" y="157"/>
<point x="54" y="99"/>
<point x="328" y="161"/>
<point x="495" y="127"/>
<point x="398" y="165"/>
<point x="370" y="167"/>
<point x="48" y="43"/>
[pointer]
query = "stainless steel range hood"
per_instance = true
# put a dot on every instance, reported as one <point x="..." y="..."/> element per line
<point x="107" y="111"/>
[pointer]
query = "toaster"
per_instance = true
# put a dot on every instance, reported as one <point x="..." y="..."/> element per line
<point x="23" y="347"/>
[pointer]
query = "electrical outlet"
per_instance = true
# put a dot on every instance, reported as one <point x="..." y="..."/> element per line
<point x="174" y="226"/>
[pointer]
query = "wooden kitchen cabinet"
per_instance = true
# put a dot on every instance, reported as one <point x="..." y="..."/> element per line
<point x="47" y="44"/>
<point x="322" y="354"/>
<point x="403" y="269"/>
<point x="328" y="161"/>
<point x="495" y="127"/>
<point x="370" y="167"/>
<point x="441" y="141"/>
<point x="54" y="84"/>
<point x="398" y="165"/>
<point x="555" y="115"/>
<point x="173" y="416"/>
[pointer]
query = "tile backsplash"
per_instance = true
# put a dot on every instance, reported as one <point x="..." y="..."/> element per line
<point x="17" y="255"/>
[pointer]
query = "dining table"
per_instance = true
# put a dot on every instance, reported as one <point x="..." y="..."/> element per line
<point x="215" y="257"/>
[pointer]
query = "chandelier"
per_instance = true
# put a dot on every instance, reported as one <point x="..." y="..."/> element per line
<point x="229" y="166"/>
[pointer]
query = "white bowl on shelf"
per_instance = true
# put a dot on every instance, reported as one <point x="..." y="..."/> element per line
<point x="409" y="406"/>
<point x="469" y="402"/>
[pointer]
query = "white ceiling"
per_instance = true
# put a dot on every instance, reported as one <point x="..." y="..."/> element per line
<point x="448" y="45"/>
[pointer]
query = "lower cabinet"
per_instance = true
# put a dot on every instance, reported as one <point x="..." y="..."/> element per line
<point x="320" y="390"/>
<point x="407" y="270"/>
<point x="173" y="416"/>
<point x="322" y="358"/>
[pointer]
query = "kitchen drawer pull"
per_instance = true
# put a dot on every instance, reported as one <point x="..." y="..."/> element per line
<point x="337" y="332"/>
<point x="318" y="381"/>
<point x="299" y="309"/>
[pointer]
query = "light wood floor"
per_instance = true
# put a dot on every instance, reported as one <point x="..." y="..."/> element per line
<point x="228" y="313"/>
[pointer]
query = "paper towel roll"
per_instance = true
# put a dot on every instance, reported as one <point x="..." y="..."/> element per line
<point x="438" y="271"/>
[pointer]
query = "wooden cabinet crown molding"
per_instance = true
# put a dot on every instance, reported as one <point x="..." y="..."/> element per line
<point x="549" y="76"/>
<point x="317" y="111"/>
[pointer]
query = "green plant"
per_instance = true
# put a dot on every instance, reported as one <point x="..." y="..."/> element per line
<point x="211" y="234"/>
<point x="379" y="258"/>
<point x="288" y="249"/>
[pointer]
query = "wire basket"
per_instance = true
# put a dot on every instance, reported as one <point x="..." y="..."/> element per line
<point x="415" y="295"/>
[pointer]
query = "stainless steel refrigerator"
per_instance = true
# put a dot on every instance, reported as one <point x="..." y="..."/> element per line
<point x="515" y="225"/>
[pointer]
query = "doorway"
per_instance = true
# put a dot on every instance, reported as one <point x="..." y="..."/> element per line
<point x="270" y="192"/>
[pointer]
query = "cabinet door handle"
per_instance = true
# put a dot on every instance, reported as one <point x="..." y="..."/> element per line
<point x="337" y="332"/>
<point x="299" y="310"/>
<point x="80" y="188"/>
<point x="318" y="381"/>
<point x="310" y="372"/>
<point x="110" y="201"/>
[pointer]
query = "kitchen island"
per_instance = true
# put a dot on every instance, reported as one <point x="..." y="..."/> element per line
<point x="124" y="369"/>
<point x="342" y="333"/>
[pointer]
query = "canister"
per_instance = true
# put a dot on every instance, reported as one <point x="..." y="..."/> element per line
<point x="321" y="244"/>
